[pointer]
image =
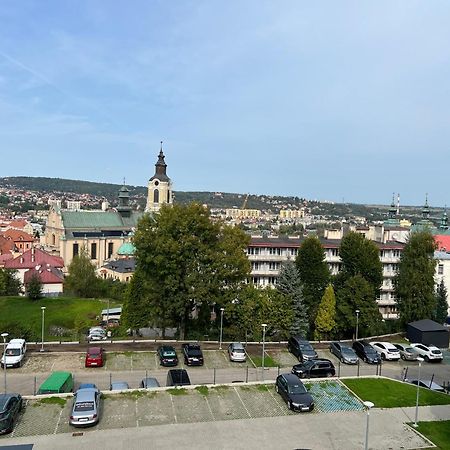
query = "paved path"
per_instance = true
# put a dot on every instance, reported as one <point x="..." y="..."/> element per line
<point x="342" y="430"/>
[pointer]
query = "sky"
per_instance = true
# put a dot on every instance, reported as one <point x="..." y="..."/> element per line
<point x="341" y="101"/>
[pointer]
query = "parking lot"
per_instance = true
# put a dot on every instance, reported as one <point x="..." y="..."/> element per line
<point x="202" y="404"/>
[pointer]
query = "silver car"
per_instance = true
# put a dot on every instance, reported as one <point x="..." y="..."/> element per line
<point x="344" y="353"/>
<point x="236" y="352"/>
<point x="86" y="407"/>
<point x="407" y="353"/>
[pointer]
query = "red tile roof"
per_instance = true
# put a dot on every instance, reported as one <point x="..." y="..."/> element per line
<point x="443" y="242"/>
<point x="47" y="275"/>
<point x="6" y="245"/>
<point x="32" y="258"/>
<point x="18" y="223"/>
<point x="5" y="257"/>
<point x="18" y="235"/>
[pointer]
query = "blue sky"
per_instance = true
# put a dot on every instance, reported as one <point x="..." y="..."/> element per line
<point x="324" y="100"/>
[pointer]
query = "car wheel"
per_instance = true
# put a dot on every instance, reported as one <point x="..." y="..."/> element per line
<point x="329" y="374"/>
<point x="383" y="357"/>
<point x="342" y="360"/>
<point x="277" y="389"/>
<point x="403" y="357"/>
<point x="300" y="359"/>
<point x="365" y="359"/>
<point x="289" y="404"/>
<point x="426" y="358"/>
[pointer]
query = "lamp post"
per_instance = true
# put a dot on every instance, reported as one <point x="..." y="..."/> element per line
<point x="417" y="393"/>
<point x="368" y="405"/>
<point x="221" y="327"/>
<point x="264" y="325"/>
<point x="357" y="323"/>
<point x="4" y="336"/>
<point x="43" y="318"/>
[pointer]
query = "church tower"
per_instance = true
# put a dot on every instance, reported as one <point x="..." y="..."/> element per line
<point x="159" y="186"/>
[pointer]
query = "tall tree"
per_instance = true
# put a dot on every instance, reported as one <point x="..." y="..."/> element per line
<point x="82" y="280"/>
<point x="290" y="285"/>
<point x="9" y="283"/>
<point x="326" y="315"/>
<point x="356" y="293"/>
<point x="188" y="260"/>
<point x="314" y="274"/>
<point x="33" y="288"/>
<point x="414" y="282"/>
<point x="441" y="303"/>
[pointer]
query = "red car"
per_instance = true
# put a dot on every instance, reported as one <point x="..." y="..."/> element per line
<point x="95" y="357"/>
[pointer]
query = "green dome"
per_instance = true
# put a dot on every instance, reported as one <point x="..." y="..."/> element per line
<point x="127" y="248"/>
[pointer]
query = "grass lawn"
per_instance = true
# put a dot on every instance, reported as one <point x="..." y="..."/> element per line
<point x="391" y="394"/>
<point x="268" y="361"/>
<point x="437" y="432"/>
<point x="67" y="312"/>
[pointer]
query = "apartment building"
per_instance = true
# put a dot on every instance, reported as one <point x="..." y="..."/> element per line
<point x="267" y="252"/>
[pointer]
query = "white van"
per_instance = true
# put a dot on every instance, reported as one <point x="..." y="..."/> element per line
<point x="14" y="354"/>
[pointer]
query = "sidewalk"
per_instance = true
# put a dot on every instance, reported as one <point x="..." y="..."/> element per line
<point x="342" y="430"/>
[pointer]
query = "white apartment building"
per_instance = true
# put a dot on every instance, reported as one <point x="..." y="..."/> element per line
<point x="266" y="254"/>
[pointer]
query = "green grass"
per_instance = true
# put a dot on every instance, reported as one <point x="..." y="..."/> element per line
<point x="268" y="361"/>
<point x="51" y="401"/>
<point x="203" y="390"/>
<point x="436" y="432"/>
<point x="67" y="312"/>
<point x="177" y="391"/>
<point x="391" y="394"/>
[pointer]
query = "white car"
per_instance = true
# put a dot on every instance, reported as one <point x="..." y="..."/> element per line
<point x="386" y="350"/>
<point x="236" y="352"/>
<point x="428" y="353"/>
<point x="14" y="353"/>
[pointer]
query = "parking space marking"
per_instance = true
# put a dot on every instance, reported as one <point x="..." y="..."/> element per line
<point x="173" y="409"/>
<point x="275" y="400"/>
<point x="243" y="404"/>
<point x="136" y="412"/>
<point x="210" y="410"/>
<point x="59" y="420"/>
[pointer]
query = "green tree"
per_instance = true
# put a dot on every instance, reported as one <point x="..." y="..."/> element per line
<point x="414" y="282"/>
<point x="326" y="314"/>
<point x="290" y="285"/>
<point x="9" y="283"/>
<point x="33" y="288"/>
<point x="82" y="280"/>
<point x="356" y="293"/>
<point x="188" y="260"/>
<point x="314" y="274"/>
<point x="441" y="303"/>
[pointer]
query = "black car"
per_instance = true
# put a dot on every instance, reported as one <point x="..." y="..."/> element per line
<point x="178" y="377"/>
<point x="167" y="356"/>
<point x="366" y="352"/>
<point x="193" y="355"/>
<point x="314" y="369"/>
<point x="301" y="348"/>
<point x="294" y="393"/>
<point x="344" y="353"/>
<point x="10" y="407"/>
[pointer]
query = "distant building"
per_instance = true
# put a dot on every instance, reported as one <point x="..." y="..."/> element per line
<point x="292" y="213"/>
<point x="243" y="213"/>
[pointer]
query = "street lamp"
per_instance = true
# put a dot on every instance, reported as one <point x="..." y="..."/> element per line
<point x="417" y="393"/>
<point x="264" y="325"/>
<point x="368" y="405"/>
<point x="357" y="323"/>
<point x="43" y="315"/>
<point x="221" y="327"/>
<point x="4" y="336"/>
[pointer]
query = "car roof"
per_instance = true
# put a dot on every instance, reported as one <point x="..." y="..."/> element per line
<point x="119" y="384"/>
<point x="167" y="348"/>
<point x="84" y="395"/>
<point x="150" y="381"/>
<point x="237" y="344"/>
<point x="16" y="342"/>
<point x="87" y="386"/>
<point x="291" y="378"/>
<point x="4" y="398"/>
<point x="94" y="349"/>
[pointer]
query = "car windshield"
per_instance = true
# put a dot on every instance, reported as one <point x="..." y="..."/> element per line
<point x="370" y="350"/>
<point x="84" y="406"/>
<point x="409" y="350"/>
<point x="194" y="352"/>
<point x="347" y="351"/>
<point x="308" y="364"/>
<point x="306" y="346"/>
<point x="94" y="355"/>
<point x="12" y="351"/>
<point x="238" y="350"/>
<point x="436" y="352"/>
<point x="296" y="389"/>
<point x="169" y="353"/>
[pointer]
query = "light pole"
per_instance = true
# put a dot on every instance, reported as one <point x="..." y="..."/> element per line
<point x="4" y="336"/>
<point x="357" y="323"/>
<point x="368" y="405"/>
<point x="417" y="393"/>
<point x="43" y="316"/>
<point x="264" y="325"/>
<point x="221" y="327"/>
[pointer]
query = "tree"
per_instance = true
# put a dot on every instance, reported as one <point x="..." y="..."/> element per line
<point x="188" y="260"/>
<point x="441" y="312"/>
<point x="414" y="282"/>
<point x="290" y="285"/>
<point x="9" y="283"/>
<point x="82" y="280"/>
<point x="314" y="274"/>
<point x="360" y="256"/>
<point x="326" y="314"/>
<point x="356" y="293"/>
<point x="33" y="288"/>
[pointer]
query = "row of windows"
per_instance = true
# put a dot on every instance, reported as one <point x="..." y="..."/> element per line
<point x="93" y="250"/>
<point x="279" y="251"/>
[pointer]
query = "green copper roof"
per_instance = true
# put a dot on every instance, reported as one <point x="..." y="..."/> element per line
<point x="127" y="248"/>
<point x="98" y="219"/>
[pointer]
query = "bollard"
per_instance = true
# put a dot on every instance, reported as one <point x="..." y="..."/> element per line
<point x="246" y="375"/>
<point x="358" y="368"/>
<point x="110" y="380"/>
<point x="34" y="389"/>
<point x="380" y="367"/>
<point x="214" y="381"/>
<point x="431" y="381"/>
<point x="339" y="368"/>
<point x="278" y="374"/>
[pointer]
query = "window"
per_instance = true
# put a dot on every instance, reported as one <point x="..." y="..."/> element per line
<point x="255" y="266"/>
<point x="274" y="265"/>
<point x="441" y="269"/>
<point x="110" y="249"/>
<point x="168" y="196"/>
<point x="396" y="253"/>
<point x="253" y="251"/>
<point x="272" y="280"/>
<point x="75" y="249"/>
<point x="156" y="196"/>
<point x="272" y="251"/>
<point x="94" y="250"/>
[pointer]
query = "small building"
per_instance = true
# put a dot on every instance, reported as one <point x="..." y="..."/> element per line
<point x="52" y="279"/>
<point x="428" y="332"/>
<point x="119" y="269"/>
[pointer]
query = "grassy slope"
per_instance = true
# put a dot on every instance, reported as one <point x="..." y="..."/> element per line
<point x="391" y="394"/>
<point x="62" y="311"/>
<point x="437" y="432"/>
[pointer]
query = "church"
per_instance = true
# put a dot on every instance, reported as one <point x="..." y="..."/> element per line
<point x="104" y="233"/>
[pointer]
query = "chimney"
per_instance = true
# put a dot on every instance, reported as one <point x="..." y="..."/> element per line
<point x="32" y="254"/>
<point x="21" y="260"/>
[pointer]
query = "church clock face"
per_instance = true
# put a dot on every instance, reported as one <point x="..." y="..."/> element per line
<point x="156" y="182"/>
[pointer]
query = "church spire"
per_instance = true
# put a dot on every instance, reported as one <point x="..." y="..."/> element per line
<point x="160" y="167"/>
<point x="426" y="209"/>
<point x="392" y="209"/>
<point x="444" y="220"/>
